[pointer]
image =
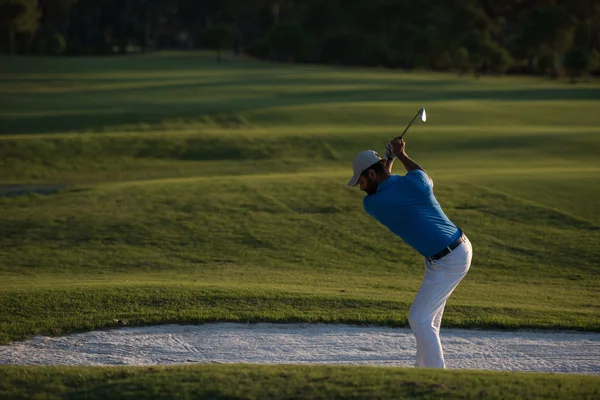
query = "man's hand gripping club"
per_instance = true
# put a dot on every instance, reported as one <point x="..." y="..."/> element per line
<point x="396" y="149"/>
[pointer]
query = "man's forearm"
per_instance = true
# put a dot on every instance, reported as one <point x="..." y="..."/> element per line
<point x="388" y="165"/>
<point x="409" y="164"/>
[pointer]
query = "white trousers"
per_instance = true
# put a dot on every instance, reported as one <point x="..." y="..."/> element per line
<point x="425" y="315"/>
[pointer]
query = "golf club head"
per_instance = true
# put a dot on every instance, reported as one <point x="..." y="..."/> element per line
<point x="421" y="115"/>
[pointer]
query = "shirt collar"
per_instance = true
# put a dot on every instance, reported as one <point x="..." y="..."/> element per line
<point x="383" y="185"/>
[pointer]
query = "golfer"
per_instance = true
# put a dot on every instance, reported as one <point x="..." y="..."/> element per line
<point x="406" y="205"/>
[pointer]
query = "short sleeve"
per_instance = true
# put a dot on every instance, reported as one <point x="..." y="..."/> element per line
<point x="368" y="205"/>
<point x="421" y="179"/>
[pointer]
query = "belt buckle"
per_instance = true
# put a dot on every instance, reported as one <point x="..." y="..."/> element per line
<point x="437" y="256"/>
<point x="461" y="239"/>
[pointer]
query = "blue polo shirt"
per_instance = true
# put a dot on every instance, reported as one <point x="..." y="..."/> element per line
<point x="407" y="207"/>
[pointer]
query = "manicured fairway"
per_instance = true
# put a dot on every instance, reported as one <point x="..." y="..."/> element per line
<point x="168" y="188"/>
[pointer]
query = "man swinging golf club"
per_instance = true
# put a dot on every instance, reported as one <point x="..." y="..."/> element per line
<point x="406" y="205"/>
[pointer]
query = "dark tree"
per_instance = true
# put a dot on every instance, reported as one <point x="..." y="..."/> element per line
<point x="18" y="16"/>
<point x="508" y="36"/>
<point x="576" y="61"/>
<point x="218" y="37"/>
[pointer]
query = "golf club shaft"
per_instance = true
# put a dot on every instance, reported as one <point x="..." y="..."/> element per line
<point x="413" y="120"/>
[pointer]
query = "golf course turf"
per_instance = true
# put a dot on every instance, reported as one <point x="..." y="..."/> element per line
<point x="168" y="188"/>
<point x="287" y="382"/>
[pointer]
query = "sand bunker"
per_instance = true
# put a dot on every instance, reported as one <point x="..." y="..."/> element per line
<point x="563" y="352"/>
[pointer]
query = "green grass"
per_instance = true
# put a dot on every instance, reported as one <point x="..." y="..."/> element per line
<point x="168" y="188"/>
<point x="286" y="382"/>
<point x="284" y="235"/>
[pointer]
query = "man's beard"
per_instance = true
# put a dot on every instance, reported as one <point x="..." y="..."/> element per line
<point x="371" y="186"/>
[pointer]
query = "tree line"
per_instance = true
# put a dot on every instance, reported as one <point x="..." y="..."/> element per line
<point x="484" y="36"/>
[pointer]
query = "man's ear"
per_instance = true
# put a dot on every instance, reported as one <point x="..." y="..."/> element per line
<point x="372" y="174"/>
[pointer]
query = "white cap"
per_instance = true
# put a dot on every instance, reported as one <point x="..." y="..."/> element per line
<point x="362" y="161"/>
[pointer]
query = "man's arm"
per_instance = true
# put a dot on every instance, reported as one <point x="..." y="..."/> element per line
<point x="389" y="158"/>
<point x="388" y="165"/>
<point x="408" y="163"/>
<point x="398" y="146"/>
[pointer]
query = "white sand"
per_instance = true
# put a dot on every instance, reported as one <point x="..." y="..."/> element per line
<point x="564" y="352"/>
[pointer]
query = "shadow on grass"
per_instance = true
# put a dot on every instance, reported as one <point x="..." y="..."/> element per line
<point x="117" y="112"/>
<point x="23" y="190"/>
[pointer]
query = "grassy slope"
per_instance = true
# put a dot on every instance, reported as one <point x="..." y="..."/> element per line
<point x="198" y="192"/>
<point x="149" y="251"/>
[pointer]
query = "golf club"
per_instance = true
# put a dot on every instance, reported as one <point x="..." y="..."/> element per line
<point x="421" y="115"/>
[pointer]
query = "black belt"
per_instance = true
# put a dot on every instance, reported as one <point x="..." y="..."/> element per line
<point x="448" y="249"/>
